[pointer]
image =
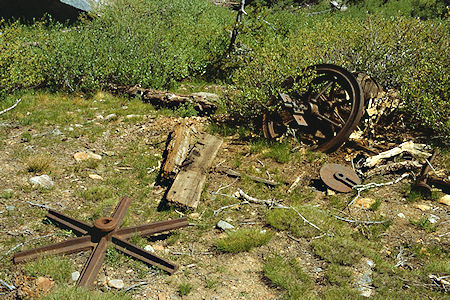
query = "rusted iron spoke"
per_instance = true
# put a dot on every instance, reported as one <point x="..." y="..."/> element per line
<point x="144" y="256"/>
<point x="66" y="247"/>
<point x="92" y="267"/>
<point x="99" y="236"/>
<point x="78" y="227"/>
<point x="121" y="210"/>
<point x="152" y="228"/>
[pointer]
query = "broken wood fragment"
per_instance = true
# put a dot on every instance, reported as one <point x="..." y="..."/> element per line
<point x="393" y="168"/>
<point x="188" y="184"/>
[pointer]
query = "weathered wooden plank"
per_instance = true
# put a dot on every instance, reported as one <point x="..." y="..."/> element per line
<point x="188" y="185"/>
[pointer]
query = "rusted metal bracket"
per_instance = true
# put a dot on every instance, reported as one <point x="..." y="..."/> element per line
<point x="98" y="236"/>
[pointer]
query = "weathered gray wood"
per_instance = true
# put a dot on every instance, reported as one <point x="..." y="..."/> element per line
<point x="188" y="184"/>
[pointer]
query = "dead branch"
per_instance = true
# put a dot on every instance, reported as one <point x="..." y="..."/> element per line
<point x="360" y="221"/>
<point x="393" y="167"/>
<point x="10" y="108"/>
<point x="135" y="286"/>
<point x="234" y="173"/>
<point x="167" y="99"/>
<point x="274" y="204"/>
<point x="235" y="31"/>
<point x="362" y="187"/>
<point x="8" y="286"/>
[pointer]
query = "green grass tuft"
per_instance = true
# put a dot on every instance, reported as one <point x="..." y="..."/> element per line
<point x="243" y="240"/>
<point x="57" y="268"/>
<point x="287" y="274"/>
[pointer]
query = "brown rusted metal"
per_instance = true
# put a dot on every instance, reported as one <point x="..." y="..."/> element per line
<point x="97" y="237"/>
<point x="326" y="114"/>
<point x="339" y="178"/>
<point x="424" y="180"/>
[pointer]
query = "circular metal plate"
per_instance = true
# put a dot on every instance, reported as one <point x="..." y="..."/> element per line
<point x="339" y="177"/>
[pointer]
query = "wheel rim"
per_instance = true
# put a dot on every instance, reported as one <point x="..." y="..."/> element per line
<point x="335" y="102"/>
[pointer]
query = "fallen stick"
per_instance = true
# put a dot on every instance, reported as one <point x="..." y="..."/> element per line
<point x="233" y="173"/>
<point x="275" y="204"/>
<point x="8" y="286"/>
<point x="10" y="108"/>
<point x="360" y="221"/>
<point x="135" y="286"/>
<point x="393" y="167"/>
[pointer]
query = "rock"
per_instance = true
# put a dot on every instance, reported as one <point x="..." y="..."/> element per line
<point x="422" y="207"/>
<point x="158" y="247"/>
<point x="162" y="296"/>
<point x="110" y="117"/>
<point x="149" y="249"/>
<point x="194" y="215"/>
<point x="81" y="156"/>
<point x="42" y="181"/>
<point x="318" y="269"/>
<point x="330" y="192"/>
<point x="75" y="276"/>
<point x="10" y="207"/>
<point x="95" y="177"/>
<point x="44" y="284"/>
<point x="445" y="200"/>
<point x="116" y="283"/>
<point x="401" y="215"/>
<point x="229" y="220"/>
<point x="129" y="271"/>
<point x="207" y="96"/>
<point x="365" y="203"/>
<point x="56" y="131"/>
<point x="224" y="225"/>
<point x="133" y="116"/>
<point x="433" y="219"/>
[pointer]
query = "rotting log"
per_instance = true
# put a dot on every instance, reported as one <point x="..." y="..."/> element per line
<point x="189" y="155"/>
<point x="167" y="99"/>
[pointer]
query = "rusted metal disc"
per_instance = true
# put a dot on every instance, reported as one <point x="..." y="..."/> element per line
<point x="339" y="178"/>
<point x="105" y="224"/>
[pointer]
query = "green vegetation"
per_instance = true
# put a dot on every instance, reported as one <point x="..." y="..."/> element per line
<point x="185" y="288"/>
<point x="243" y="240"/>
<point x="73" y="293"/>
<point x="188" y="40"/>
<point x="56" y="268"/>
<point x="287" y="274"/>
<point x="424" y="224"/>
<point x="39" y="163"/>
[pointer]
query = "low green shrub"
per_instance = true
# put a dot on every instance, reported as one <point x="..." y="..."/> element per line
<point x="243" y="240"/>
<point x="151" y="43"/>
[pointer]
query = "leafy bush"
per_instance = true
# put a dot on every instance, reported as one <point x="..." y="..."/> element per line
<point x="151" y="43"/>
<point x="404" y="53"/>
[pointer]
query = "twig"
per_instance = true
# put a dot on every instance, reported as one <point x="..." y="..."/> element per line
<point x="360" y="221"/>
<point x="8" y="286"/>
<point x="235" y="32"/>
<point x="294" y="184"/>
<point x="233" y="173"/>
<point x="38" y="205"/>
<point x="10" y="108"/>
<point x="362" y="187"/>
<point x="227" y="186"/>
<point x="275" y="204"/>
<point x="135" y="286"/>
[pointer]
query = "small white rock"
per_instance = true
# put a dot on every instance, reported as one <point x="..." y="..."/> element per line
<point x="42" y="181"/>
<point x="401" y="215"/>
<point x="75" y="276"/>
<point x="116" y="283"/>
<point x="110" y="117"/>
<point x="224" y="225"/>
<point x="149" y="249"/>
<point x="433" y="219"/>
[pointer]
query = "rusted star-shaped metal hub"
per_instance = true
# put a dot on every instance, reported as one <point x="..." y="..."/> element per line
<point x="97" y="238"/>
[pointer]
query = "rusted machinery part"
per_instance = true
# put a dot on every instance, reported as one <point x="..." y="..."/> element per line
<point x="98" y="237"/>
<point x="336" y="129"/>
<point x="339" y="178"/>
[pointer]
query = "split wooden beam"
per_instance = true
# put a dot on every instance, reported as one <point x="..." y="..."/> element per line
<point x="189" y="156"/>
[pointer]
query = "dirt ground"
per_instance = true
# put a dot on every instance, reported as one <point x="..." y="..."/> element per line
<point x="131" y="148"/>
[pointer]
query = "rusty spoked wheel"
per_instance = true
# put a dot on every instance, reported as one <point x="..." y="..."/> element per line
<point x="333" y="107"/>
